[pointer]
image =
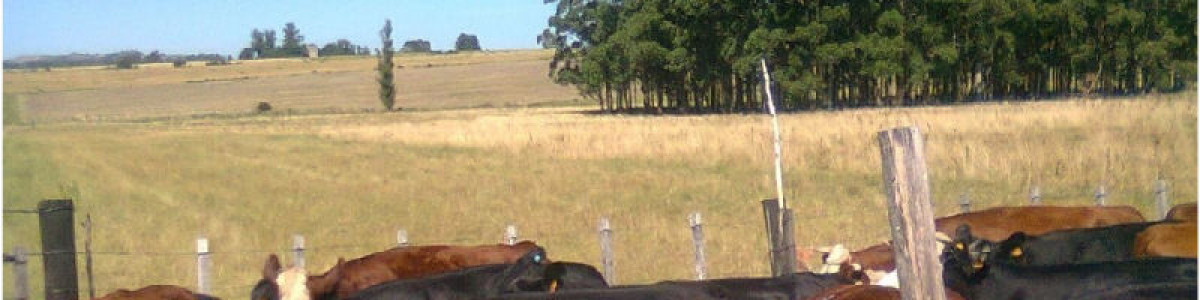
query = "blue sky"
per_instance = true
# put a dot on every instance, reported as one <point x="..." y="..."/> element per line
<point x="184" y="27"/>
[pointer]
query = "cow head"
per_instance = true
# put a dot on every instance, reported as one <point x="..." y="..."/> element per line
<point x="832" y="258"/>
<point x="280" y="284"/>
<point x="967" y="253"/>
<point x="1012" y="249"/>
<point x="525" y="274"/>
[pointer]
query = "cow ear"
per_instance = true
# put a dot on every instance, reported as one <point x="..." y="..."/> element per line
<point x="272" y="268"/>
<point x="963" y="232"/>
<point x="325" y="283"/>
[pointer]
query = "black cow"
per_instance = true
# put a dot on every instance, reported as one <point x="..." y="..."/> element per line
<point x="790" y="286"/>
<point x="470" y="283"/>
<point x="645" y="292"/>
<point x="1101" y="244"/>
<point x="570" y="276"/>
<point x="968" y="272"/>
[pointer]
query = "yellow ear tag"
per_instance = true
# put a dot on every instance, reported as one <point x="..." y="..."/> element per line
<point x="959" y="246"/>
<point x="977" y="265"/>
<point x="1016" y="252"/>
<point x="553" y="286"/>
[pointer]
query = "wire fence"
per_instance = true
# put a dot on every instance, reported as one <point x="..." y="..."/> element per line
<point x="1161" y="205"/>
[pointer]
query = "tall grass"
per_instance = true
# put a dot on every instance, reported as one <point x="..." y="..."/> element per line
<point x="347" y="182"/>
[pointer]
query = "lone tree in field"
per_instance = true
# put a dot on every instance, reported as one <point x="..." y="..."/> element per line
<point x="467" y="42"/>
<point x="387" y="88"/>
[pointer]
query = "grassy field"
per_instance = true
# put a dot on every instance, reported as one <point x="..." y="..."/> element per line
<point x="485" y="79"/>
<point x="155" y="176"/>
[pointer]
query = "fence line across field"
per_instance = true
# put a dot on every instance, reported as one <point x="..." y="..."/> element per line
<point x="20" y="255"/>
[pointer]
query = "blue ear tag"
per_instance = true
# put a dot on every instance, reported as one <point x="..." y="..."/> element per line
<point x="537" y="258"/>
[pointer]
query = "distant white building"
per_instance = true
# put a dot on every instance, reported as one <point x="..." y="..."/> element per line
<point x="311" y="50"/>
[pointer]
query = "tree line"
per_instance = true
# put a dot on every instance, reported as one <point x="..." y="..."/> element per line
<point x="704" y="56"/>
<point x="263" y="44"/>
<point x="120" y="59"/>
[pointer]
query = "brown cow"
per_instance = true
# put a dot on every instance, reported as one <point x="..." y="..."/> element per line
<point x="1173" y="239"/>
<point x="1184" y="212"/>
<point x="348" y="277"/>
<point x="869" y="292"/>
<point x="156" y="292"/>
<point x="995" y="224"/>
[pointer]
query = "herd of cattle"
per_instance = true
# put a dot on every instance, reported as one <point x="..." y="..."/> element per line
<point x="1033" y="252"/>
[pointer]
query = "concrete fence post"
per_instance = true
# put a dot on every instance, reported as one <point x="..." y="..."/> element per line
<point x="298" y="250"/>
<point x="202" y="264"/>
<point x="1035" y="196"/>
<point x="20" y="262"/>
<point x="698" y="244"/>
<point x="401" y="238"/>
<point x="510" y="234"/>
<point x="606" y="252"/>
<point x="1161" y="203"/>
<point x="964" y="203"/>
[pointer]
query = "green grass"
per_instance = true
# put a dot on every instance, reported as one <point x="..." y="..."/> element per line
<point x="13" y="109"/>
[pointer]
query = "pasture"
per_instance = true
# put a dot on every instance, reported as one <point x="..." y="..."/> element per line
<point x="159" y="156"/>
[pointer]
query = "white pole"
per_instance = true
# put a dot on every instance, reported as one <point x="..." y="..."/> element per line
<point x="510" y="234"/>
<point x="775" y="131"/>
<point x="202" y="265"/>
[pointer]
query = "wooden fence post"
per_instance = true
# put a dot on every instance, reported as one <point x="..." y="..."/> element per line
<point x="298" y="250"/>
<point x="1035" y="196"/>
<point x="21" y="272"/>
<point x="57" y="221"/>
<point x="606" y="252"/>
<point x="906" y="183"/>
<point x="202" y="262"/>
<point x="771" y="216"/>
<point x="787" y="259"/>
<point x="510" y="234"/>
<point x="401" y="238"/>
<point x="1160" y="198"/>
<point x="87" y="258"/>
<point x="780" y="237"/>
<point x="964" y="202"/>
<point x="1100" y="195"/>
<point x="698" y="244"/>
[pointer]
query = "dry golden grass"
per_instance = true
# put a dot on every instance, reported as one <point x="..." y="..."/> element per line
<point x="515" y="78"/>
<point x="348" y="181"/>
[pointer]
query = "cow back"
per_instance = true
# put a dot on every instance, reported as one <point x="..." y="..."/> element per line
<point x="155" y="292"/>
<point x="411" y="262"/>
<point x="869" y="292"/>
<point x="1184" y="212"/>
<point x="1000" y="222"/>
<point x="1072" y="246"/>
<point x="1172" y="239"/>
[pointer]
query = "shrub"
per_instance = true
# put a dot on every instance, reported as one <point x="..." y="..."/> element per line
<point x="262" y="107"/>
<point x="179" y="63"/>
